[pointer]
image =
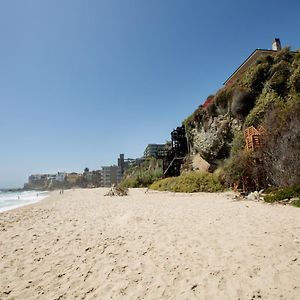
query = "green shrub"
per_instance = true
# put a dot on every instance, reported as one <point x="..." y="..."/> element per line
<point x="255" y="77"/>
<point x="238" y="143"/>
<point x="283" y="193"/>
<point x="141" y="179"/>
<point x="189" y="183"/>
<point x="280" y="74"/>
<point x="294" y="82"/>
<point x="196" y="119"/>
<point x="265" y="59"/>
<point x="143" y="175"/>
<point x="223" y="100"/>
<point x="283" y="55"/>
<point x="199" y="116"/>
<point x="212" y="110"/>
<point x="281" y="144"/>
<point x="188" y="122"/>
<point x="296" y="203"/>
<point x="236" y="167"/>
<point x="264" y="103"/>
<point x="244" y="171"/>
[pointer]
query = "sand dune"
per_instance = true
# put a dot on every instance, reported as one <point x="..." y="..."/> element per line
<point x="82" y="245"/>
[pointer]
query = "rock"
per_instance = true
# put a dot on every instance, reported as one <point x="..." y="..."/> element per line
<point x="199" y="163"/>
<point x="255" y="196"/>
<point x="213" y="138"/>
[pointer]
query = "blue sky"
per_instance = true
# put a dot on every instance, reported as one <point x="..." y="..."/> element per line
<point x="82" y="81"/>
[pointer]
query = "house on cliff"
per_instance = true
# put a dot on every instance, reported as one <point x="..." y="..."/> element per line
<point x="250" y="60"/>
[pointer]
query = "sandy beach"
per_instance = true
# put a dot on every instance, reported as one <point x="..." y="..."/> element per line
<point x="155" y="245"/>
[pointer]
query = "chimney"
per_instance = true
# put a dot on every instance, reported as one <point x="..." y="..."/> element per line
<point x="276" y="45"/>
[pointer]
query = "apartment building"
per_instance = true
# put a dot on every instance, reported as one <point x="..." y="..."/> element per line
<point x="110" y="175"/>
<point x="153" y="149"/>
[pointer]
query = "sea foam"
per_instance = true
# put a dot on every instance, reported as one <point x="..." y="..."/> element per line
<point x="11" y="200"/>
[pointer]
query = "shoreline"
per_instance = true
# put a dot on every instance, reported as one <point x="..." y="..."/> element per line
<point x="37" y="197"/>
<point x="154" y="245"/>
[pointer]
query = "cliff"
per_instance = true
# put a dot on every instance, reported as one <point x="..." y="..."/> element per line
<point x="268" y="95"/>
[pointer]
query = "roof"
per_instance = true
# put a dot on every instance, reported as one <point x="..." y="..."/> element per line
<point x="248" y="62"/>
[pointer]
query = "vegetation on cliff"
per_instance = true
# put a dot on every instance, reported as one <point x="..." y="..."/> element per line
<point x="144" y="174"/>
<point x="268" y="94"/>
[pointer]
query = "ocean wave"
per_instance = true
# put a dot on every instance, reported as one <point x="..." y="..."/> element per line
<point x="11" y="200"/>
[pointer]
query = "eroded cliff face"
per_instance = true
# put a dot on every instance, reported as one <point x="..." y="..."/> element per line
<point x="212" y="139"/>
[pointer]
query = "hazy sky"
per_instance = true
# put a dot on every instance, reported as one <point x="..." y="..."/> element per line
<point x="82" y="81"/>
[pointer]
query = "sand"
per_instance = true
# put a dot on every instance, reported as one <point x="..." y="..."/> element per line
<point x="155" y="245"/>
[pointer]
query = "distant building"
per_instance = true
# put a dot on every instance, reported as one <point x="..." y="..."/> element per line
<point x="91" y="178"/>
<point x="34" y="178"/>
<point x="113" y="174"/>
<point x="73" y="178"/>
<point x="45" y="181"/>
<point x="61" y="176"/>
<point x="121" y="163"/>
<point x="96" y="178"/>
<point x="38" y="178"/>
<point x="125" y="163"/>
<point x="110" y="175"/>
<point x="51" y="177"/>
<point x="152" y="150"/>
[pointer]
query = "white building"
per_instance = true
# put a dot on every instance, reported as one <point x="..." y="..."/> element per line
<point x="60" y="176"/>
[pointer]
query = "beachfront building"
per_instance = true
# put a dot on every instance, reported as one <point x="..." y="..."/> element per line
<point x="51" y="177"/>
<point x="105" y="177"/>
<point x="110" y="175"/>
<point x="34" y="178"/>
<point x="152" y="150"/>
<point x="125" y="163"/>
<point x="121" y="163"/>
<point x="91" y="179"/>
<point x="73" y="178"/>
<point x="61" y="176"/>
<point x="44" y="181"/>
<point x="113" y="174"/>
<point x="39" y="178"/>
<point x="251" y="59"/>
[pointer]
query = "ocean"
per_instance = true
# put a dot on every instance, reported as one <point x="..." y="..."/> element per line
<point x="11" y="200"/>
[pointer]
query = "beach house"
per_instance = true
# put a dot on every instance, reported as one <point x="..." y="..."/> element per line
<point x="251" y="59"/>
